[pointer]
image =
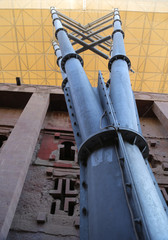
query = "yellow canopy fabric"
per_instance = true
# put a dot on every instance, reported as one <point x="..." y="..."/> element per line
<point x="26" y="33"/>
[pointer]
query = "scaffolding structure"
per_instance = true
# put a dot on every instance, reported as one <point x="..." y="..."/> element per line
<point x="119" y="196"/>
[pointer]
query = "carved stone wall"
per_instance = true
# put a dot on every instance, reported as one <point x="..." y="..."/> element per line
<point x="49" y="204"/>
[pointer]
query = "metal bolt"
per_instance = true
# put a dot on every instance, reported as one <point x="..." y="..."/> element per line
<point x="84" y="163"/>
<point x="84" y="211"/>
<point x="128" y="185"/>
<point x="84" y="185"/>
<point x="138" y="221"/>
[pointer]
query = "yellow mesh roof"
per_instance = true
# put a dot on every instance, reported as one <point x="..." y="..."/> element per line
<point x="26" y="32"/>
<point x="98" y="5"/>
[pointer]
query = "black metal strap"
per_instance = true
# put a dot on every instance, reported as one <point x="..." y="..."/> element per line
<point x="116" y="21"/>
<point x="118" y="30"/>
<point x="58" y="60"/>
<point x="108" y="83"/>
<point x="56" y="50"/>
<point x="64" y="82"/>
<point x="108" y="136"/>
<point x="55" y="20"/>
<point x="60" y="29"/>
<point x="116" y="57"/>
<point x="69" y="56"/>
<point x="52" y="13"/>
<point x="52" y="9"/>
<point x="54" y="43"/>
<point x="117" y="14"/>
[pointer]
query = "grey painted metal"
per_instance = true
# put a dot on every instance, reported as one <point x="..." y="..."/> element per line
<point x="59" y="57"/>
<point x="99" y="30"/>
<point x="92" y="40"/>
<point x="86" y="46"/>
<point x="91" y="45"/>
<point x="72" y="115"/>
<point x="79" y="27"/>
<point x="107" y="149"/>
<point x="99" y="19"/>
<point x="100" y="24"/>
<point x="87" y="36"/>
<point x="68" y="98"/>
<point x="137" y="116"/>
<point x="120" y="86"/>
<point x="154" y="216"/>
<point x="76" y="24"/>
<point x="106" y="103"/>
<point x="137" y="213"/>
<point x="82" y="28"/>
<point x="99" y="41"/>
<point x="108" y="216"/>
<point x="88" y="115"/>
<point x="97" y="36"/>
<point x="147" y="163"/>
<point x="157" y="187"/>
<point x="73" y="29"/>
<point x="95" y="222"/>
<point x="154" y="213"/>
<point x="66" y="17"/>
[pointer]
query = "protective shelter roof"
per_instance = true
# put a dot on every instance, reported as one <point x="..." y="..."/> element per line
<point x="26" y="34"/>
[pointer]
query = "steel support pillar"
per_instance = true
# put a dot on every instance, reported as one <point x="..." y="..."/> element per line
<point x="81" y="89"/>
<point x="153" y="215"/>
<point x="100" y="173"/>
<point x="118" y="197"/>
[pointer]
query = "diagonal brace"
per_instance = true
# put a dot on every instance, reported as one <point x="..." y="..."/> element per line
<point x="87" y="46"/>
<point x="90" y="46"/>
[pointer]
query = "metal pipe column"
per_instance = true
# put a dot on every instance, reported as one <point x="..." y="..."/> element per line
<point x="154" y="215"/>
<point x="104" y="209"/>
<point x="120" y="87"/>
<point x="59" y="59"/>
<point x="88" y="109"/>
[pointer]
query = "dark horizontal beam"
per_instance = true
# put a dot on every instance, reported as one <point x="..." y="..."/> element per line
<point x="88" y="47"/>
<point x="99" y="20"/>
<point x="98" y="25"/>
<point x="62" y="16"/>
<point x="73" y="24"/>
<point x="99" y="30"/>
<point x="74" y="30"/>
<point x="86" y="36"/>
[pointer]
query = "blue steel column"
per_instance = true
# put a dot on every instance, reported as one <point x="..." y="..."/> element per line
<point x="85" y="102"/>
<point x="104" y="210"/>
<point x="120" y="87"/>
<point x="59" y="59"/>
<point x="154" y="215"/>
